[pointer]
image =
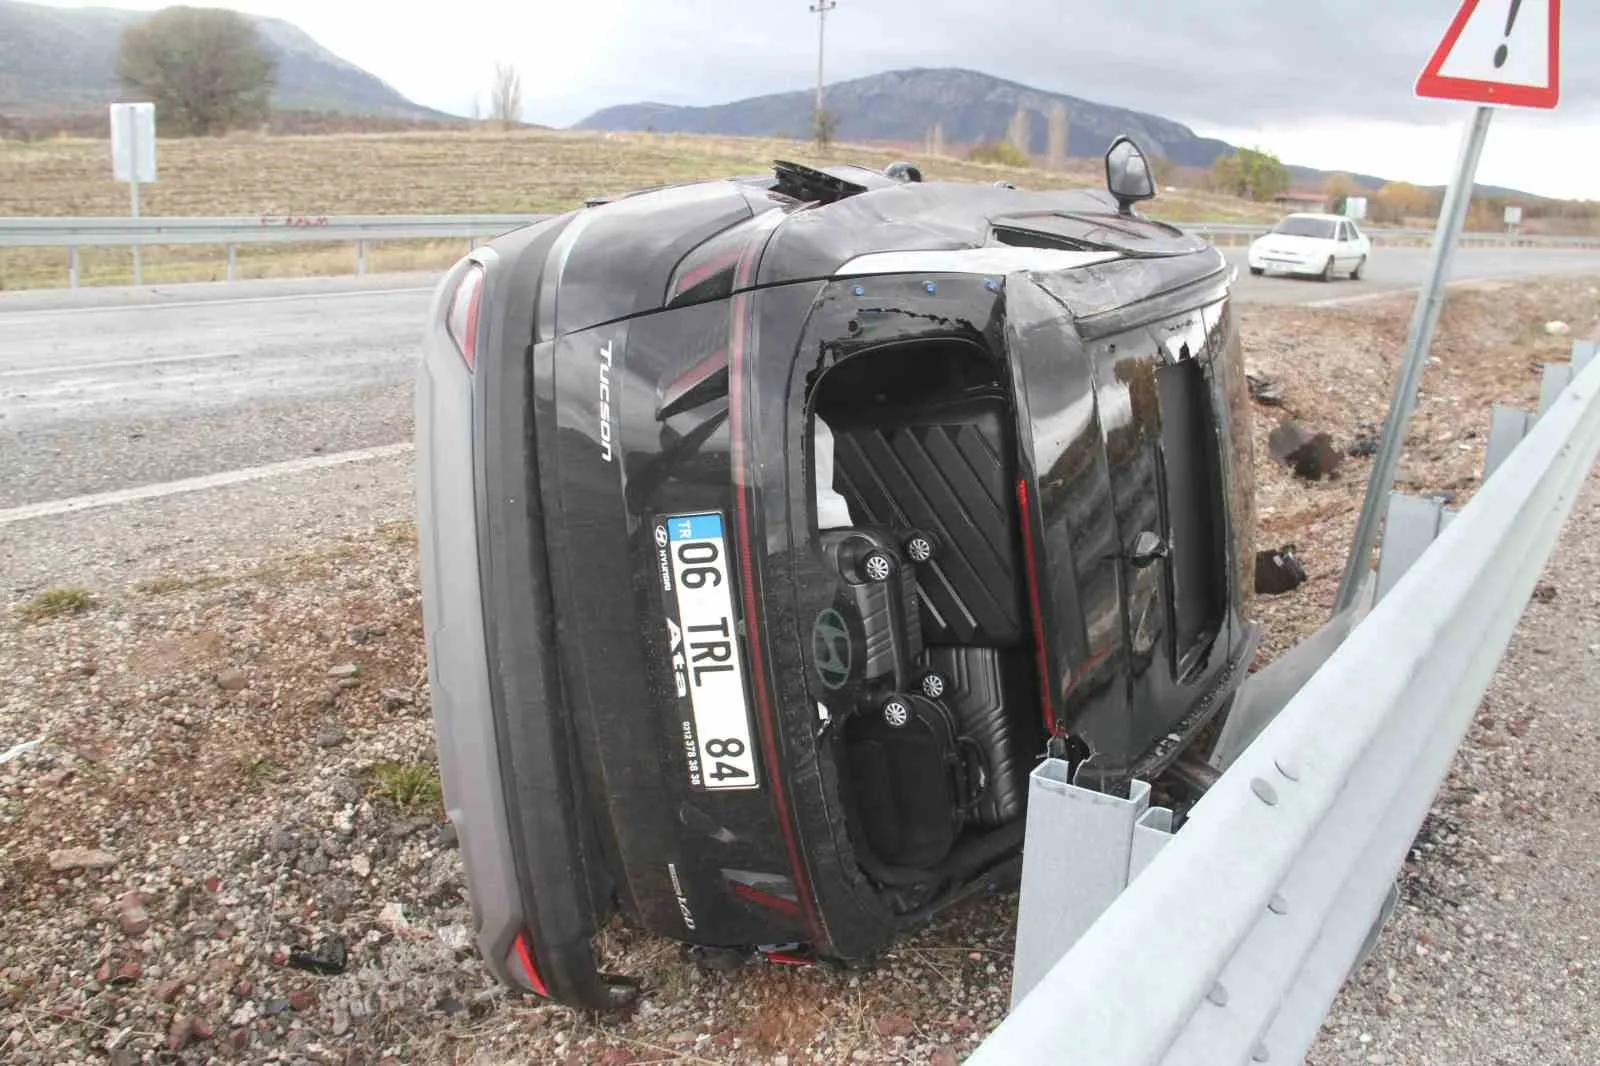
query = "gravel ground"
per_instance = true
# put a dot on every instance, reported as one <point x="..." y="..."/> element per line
<point x="228" y="845"/>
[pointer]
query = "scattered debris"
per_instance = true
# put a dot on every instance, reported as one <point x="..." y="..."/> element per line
<point x="1544" y="592"/>
<point x="1278" y="571"/>
<point x="1310" y="455"/>
<point x="1557" y="328"/>
<point x="132" y="915"/>
<point x="330" y="736"/>
<point x="19" y="749"/>
<point x="1264" y="390"/>
<point x="1365" y="442"/>
<point x="345" y="670"/>
<point x="328" y="958"/>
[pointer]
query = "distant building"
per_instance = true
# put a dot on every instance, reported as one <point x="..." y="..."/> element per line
<point x="1301" y="200"/>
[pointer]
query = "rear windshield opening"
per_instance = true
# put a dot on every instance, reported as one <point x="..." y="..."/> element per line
<point x="913" y="456"/>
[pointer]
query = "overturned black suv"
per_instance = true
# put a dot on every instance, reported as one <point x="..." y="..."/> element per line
<point x="773" y="527"/>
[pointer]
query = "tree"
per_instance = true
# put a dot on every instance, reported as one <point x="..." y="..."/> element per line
<point x="205" y="69"/>
<point x="1020" y="133"/>
<point x="1057" y="152"/>
<point x="1250" y="173"/>
<point x="824" y="126"/>
<point x="1398" y="201"/>
<point x="505" y="96"/>
<point x="1338" y="188"/>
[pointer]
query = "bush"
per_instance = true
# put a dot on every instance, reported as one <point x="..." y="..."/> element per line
<point x="1003" y="153"/>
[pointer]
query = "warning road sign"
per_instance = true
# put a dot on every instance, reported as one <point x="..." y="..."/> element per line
<point x="1505" y="52"/>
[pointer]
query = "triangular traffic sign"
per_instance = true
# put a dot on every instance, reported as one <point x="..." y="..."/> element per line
<point x="1504" y="52"/>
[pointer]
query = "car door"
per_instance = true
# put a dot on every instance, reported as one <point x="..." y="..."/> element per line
<point x="1344" y="254"/>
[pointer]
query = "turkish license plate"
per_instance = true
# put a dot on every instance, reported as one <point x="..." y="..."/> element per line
<point x="708" y="670"/>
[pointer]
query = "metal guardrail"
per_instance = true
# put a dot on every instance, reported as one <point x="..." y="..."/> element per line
<point x="232" y="231"/>
<point x="76" y="233"/>
<point x="1234" y="934"/>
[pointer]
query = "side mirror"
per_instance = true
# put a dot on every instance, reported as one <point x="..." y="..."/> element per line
<point x="1128" y="174"/>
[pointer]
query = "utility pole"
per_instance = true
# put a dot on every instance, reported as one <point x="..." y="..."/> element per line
<point x="821" y="9"/>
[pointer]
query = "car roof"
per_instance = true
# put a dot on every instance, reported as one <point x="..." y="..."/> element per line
<point x="1318" y="214"/>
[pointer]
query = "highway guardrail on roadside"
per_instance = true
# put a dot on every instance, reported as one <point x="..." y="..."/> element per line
<point x="361" y="230"/>
<point x="1224" y="943"/>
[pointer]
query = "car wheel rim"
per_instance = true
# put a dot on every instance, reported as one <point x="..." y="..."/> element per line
<point x="896" y="714"/>
<point x="877" y="567"/>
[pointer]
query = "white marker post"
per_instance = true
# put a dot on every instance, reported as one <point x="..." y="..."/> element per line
<point x="133" y="159"/>
<point x="1496" y="53"/>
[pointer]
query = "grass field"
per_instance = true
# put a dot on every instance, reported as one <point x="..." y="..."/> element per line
<point x="415" y="173"/>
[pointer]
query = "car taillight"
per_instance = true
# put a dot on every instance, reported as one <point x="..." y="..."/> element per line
<point x="462" y="320"/>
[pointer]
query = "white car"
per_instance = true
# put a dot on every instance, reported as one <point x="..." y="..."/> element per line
<point x="1311" y="244"/>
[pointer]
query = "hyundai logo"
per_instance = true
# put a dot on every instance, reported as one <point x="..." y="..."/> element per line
<point x="830" y="648"/>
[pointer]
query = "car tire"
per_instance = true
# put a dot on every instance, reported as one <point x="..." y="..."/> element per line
<point x="1355" y="275"/>
<point x="1327" y="270"/>
<point x="1258" y="271"/>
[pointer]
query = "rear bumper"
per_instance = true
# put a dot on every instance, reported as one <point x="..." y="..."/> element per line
<point x="491" y="681"/>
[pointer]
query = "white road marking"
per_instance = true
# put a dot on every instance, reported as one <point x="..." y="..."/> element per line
<point x="45" y="312"/>
<point x="73" y="504"/>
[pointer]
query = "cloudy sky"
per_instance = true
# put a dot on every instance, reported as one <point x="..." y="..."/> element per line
<point x="1326" y="84"/>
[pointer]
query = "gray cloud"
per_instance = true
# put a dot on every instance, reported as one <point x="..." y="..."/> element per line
<point x="1226" y="63"/>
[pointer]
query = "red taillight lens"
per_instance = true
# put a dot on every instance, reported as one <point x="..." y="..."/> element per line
<point x="462" y="321"/>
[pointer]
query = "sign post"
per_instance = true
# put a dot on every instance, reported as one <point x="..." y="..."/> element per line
<point x="1495" y="53"/>
<point x="133" y="158"/>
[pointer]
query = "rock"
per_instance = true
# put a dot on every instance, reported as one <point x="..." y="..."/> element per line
<point x="56" y="778"/>
<point x="127" y="973"/>
<point x="330" y="736"/>
<point x="181" y="1033"/>
<point x="81" y="858"/>
<point x="456" y="937"/>
<point x="328" y="698"/>
<point x="360" y="865"/>
<point x="333" y="847"/>
<point x="302" y="999"/>
<point x="1544" y="592"/>
<point x="680" y="1038"/>
<point x="349" y="682"/>
<point x="314" y="864"/>
<point x="344" y="670"/>
<point x="1557" y="328"/>
<point x="167" y="991"/>
<point x="246" y="1014"/>
<point x="360" y="634"/>
<point x="283" y="839"/>
<point x="395" y="698"/>
<point x="132" y="916"/>
<point x="894" y="1025"/>
<point x="327" y="958"/>
<point x="944" y="1056"/>
<point x="1310" y="455"/>
<point x="203" y="1030"/>
<point x="232" y="680"/>
<point x="394" y="915"/>
<point x="239" y="1039"/>
<point x="445" y="836"/>
<point x="274" y="1007"/>
<point x="1278" y="571"/>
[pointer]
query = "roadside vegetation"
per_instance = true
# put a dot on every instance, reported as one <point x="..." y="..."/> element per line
<point x="295" y="180"/>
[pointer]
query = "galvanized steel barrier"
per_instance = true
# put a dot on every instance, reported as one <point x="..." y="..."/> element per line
<point x="75" y="233"/>
<point x="1226" y="941"/>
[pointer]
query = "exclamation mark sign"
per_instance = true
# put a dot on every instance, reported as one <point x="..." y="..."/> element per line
<point x="1502" y="52"/>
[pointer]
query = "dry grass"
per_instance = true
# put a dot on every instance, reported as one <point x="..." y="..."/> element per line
<point x="409" y="173"/>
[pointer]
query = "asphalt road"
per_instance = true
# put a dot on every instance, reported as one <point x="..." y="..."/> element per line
<point x="105" y="389"/>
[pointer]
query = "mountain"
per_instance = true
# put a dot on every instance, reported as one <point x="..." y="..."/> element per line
<point x="62" y="61"/>
<point x="902" y="105"/>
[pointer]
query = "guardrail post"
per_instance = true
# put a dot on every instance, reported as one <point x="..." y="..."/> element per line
<point x="233" y="261"/>
<point x="472" y="244"/>
<point x="72" y="266"/>
<point x="361" y="257"/>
